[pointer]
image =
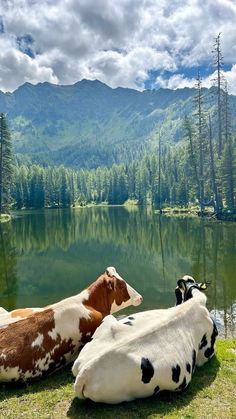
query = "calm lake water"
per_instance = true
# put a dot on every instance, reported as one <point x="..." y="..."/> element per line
<point x="52" y="254"/>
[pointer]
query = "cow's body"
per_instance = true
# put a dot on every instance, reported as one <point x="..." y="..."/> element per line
<point x="51" y="337"/>
<point x="8" y="317"/>
<point x="3" y="311"/>
<point x="145" y="353"/>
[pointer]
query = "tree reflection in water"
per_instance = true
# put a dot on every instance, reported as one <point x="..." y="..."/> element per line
<point x="8" y="263"/>
<point x="60" y="252"/>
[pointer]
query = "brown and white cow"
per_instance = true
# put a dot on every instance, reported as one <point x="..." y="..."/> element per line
<point x="8" y="317"/>
<point x="45" y="340"/>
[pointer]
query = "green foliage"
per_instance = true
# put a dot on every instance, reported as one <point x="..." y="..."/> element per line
<point x="5" y="164"/>
<point x="228" y="168"/>
<point x="38" y="187"/>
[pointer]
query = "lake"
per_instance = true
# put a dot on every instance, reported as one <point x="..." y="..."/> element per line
<point x="52" y="254"/>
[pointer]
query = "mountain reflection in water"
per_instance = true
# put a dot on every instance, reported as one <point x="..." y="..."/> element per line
<point x="51" y="254"/>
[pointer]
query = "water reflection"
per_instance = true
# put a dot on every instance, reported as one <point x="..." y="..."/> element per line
<point x="59" y="252"/>
<point x="8" y="261"/>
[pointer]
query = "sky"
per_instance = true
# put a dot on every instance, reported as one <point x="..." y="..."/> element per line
<point x="129" y="43"/>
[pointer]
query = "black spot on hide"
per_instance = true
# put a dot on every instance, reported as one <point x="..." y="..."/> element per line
<point x="210" y="351"/>
<point x="129" y="323"/>
<point x="156" y="389"/>
<point x="147" y="370"/>
<point x="131" y="318"/>
<point x="176" y="373"/>
<point x="193" y="360"/>
<point x="203" y="342"/>
<point x="188" y="367"/>
<point x="183" y="385"/>
<point x="179" y="296"/>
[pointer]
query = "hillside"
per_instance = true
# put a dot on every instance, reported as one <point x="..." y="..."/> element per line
<point x="88" y="124"/>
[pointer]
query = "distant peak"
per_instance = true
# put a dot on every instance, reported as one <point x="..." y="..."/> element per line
<point x="87" y="82"/>
<point x="26" y="84"/>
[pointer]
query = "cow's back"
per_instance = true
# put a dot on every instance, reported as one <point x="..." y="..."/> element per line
<point x="140" y="355"/>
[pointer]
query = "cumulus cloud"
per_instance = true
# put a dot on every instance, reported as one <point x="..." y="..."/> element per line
<point x="17" y="68"/>
<point x="119" y="42"/>
<point x="178" y="81"/>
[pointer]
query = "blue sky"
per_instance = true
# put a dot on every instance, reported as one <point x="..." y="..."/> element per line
<point x="130" y="43"/>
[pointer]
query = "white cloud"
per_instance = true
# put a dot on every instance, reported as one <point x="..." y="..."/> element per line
<point x="178" y="81"/>
<point x="17" y="68"/>
<point x="128" y="69"/>
<point x="231" y="79"/>
<point x="118" y="41"/>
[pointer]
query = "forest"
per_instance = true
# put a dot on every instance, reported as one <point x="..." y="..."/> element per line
<point x="199" y="170"/>
<point x="145" y="181"/>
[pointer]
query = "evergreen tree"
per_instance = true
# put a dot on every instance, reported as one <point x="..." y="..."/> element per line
<point x="192" y="151"/>
<point x="218" y="63"/>
<point x="201" y="146"/>
<point x="213" y="171"/>
<point x="228" y="168"/>
<point x="6" y="168"/>
<point x="65" y="192"/>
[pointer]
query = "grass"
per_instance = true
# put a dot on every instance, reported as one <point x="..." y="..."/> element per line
<point x="211" y="394"/>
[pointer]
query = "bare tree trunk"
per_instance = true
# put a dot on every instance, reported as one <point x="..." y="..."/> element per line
<point x="192" y="154"/>
<point x="213" y="176"/>
<point x="219" y="99"/>
<point x="200" y="140"/>
<point x="159" y="174"/>
<point x="218" y="64"/>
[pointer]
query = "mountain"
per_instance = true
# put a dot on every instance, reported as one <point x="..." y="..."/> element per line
<point x="89" y="124"/>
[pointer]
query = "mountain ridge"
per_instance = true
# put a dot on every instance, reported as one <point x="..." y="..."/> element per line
<point x="89" y="124"/>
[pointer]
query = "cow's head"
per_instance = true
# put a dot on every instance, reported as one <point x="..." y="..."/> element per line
<point x="110" y="293"/>
<point x="185" y="288"/>
<point x="121" y="294"/>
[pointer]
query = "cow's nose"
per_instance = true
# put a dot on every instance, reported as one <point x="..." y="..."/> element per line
<point x="138" y="300"/>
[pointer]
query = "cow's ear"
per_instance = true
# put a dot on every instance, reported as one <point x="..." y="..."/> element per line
<point x="203" y="285"/>
<point x="110" y="285"/>
<point x="181" y="284"/>
<point x="179" y="296"/>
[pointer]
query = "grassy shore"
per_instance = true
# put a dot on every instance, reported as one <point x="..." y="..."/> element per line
<point x="211" y="394"/>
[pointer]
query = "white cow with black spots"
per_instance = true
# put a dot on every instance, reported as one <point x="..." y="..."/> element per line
<point x="149" y="351"/>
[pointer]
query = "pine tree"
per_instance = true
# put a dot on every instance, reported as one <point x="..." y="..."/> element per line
<point x="159" y="173"/>
<point x="213" y="171"/>
<point x="228" y="168"/>
<point x="218" y="63"/>
<point x="6" y="167"/>
<point x="192" y="151"/>
<point x="200" y="125"/>
<point x="65" y="193"/>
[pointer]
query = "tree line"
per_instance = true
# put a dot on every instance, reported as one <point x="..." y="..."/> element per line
<point x="169" y="180"/>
